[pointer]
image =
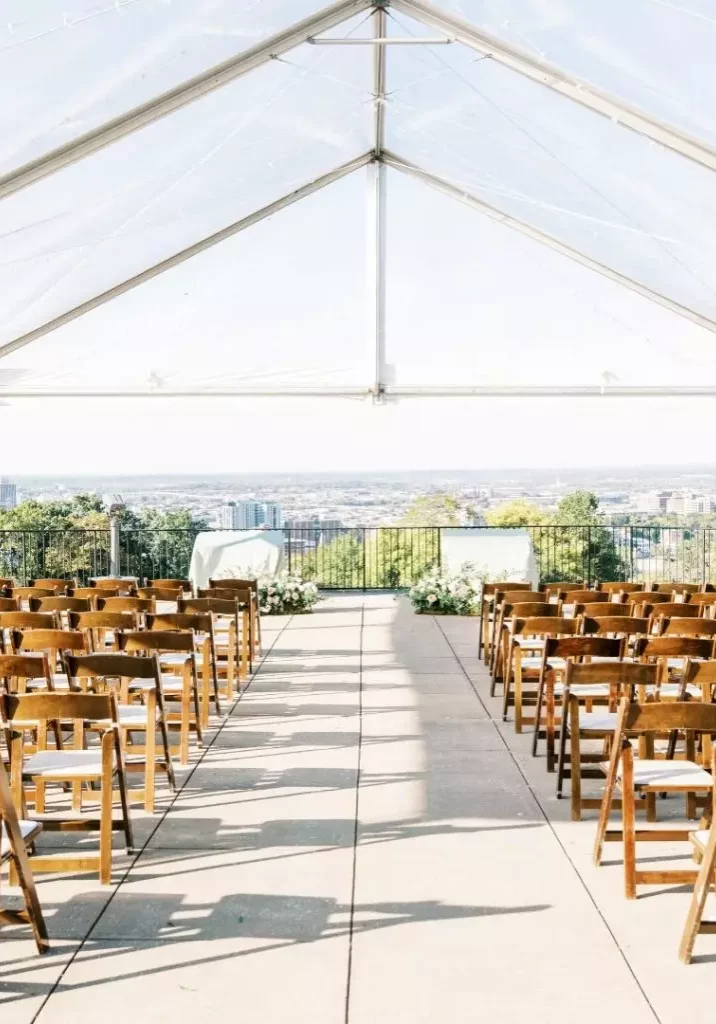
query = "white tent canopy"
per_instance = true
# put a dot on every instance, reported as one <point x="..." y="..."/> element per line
<point x="403" y="198"/>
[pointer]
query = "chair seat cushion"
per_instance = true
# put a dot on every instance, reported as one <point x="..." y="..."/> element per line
<point x="28" y="831"/>
<point x="684" y="775"/>
<point x="534" y="643"/>
<point x="674" y="689"/>
<point x="700" y="838"/>
<point x="586" y="690"/>
<point x="61" y="764"/>
<point x="597" y="721"/>
<point x="176" y="657"/>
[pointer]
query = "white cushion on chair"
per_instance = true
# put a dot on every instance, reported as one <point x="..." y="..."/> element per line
<point x="132" y="714"/>
<point x="28" y="830"/>
<point x="531" y="643"/>
<point x="597" y="721"/>
<point x="585" y="690"/>
<point x="674" y="689"/>
<point x="177" y="657"/>
<point x="61" y="763"/>
<point x="684" y="775"/>
<point x="700" y="838"/>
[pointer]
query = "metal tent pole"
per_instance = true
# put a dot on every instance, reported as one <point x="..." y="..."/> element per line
<point x="377" y="197"/>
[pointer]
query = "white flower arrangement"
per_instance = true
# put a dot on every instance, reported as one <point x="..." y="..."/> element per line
<point x="451" y="594"/>
<point x="285" y="594"/>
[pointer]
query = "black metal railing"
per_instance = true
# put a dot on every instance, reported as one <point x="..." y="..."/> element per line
<point x="372" y="558"/>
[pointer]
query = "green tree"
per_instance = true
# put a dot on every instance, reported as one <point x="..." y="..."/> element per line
<point x="577" y="544"/>
<point x="516" y="513"/>
<point x="437" y="510"/>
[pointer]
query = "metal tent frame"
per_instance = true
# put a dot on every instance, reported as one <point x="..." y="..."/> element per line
<point x="376" y="161"/>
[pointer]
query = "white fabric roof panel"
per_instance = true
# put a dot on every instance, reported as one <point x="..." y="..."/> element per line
<point x="468" y="301"/>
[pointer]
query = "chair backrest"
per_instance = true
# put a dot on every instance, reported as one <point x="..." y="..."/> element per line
<point x="619" y="674"/>
<point x="112" y="666"/>
<point x="171" y="584"/>
<point x="597" y="609"/>
<point x="122" y="585"/>
<point x="619" y="587"/>
<point x="589" y="597"/>
<point x="527" y="609"/>
<point x="57" y="585"/>
<point x="686" y="627"/>
<point x="492" y="586"/>
<point x="9" y="604"/>
<point x="535" y="625"/>
<point x="242" y="597"/>
<point x="676" y="588"/>
<point x="44" y="707"/>
<point x="583" y="647"/>
<point x="671" y="609"/>
<point x="60" y="604"/>
<point x="619" y="625"/>
<point x="198" y="622"/>
<point x="25" y="593"/>
<point x="511" y="596"/>
<point x="94" y="593"/>
<point x="237" y="584"/>
<point x="674" y="647"/>
<point x="27" y="620"/>
<point x="160" y="593"/>
<point x="703" y="597"/>
<point x="637" y="597"/>
<point x="103" y="620"/>
<point x="565" y="588"/>
<point x="702" y="673"/>
<point x="216" y="605"/>
<point x="23" y="667"/>
<point x="140" y="605"/>
<point x="52" y="641"/>
<point x="666" y="717"/>
<point x="146" y="641"/>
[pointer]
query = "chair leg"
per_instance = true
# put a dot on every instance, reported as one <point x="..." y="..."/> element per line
<point x="628" y="823"/>
<point x="164" y="732"/>
<point x="538" y="715"/>
<point x="21" y="865"/>
<point x="575" y="767"/>
<point x="698" y="900"/>
<point x="150" y="754"/>
<point x="562" y="753"/>
<point x="506" y="683"/>
<point x="105" y="824"/>
<point x="123" y="795"/>
<point x="607" y="799"/>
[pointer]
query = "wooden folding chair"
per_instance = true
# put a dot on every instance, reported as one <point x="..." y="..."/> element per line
<point x="54" y="643"/>
<point x="526" y="636"/>
<point x="242" y="602"/>
<point x="643" y="776"/>
<point x="534" y="603"/>
<point x="580" y="721"/>
<point x="492" y="595"/>
<point x="179" y="686"/>
<point x="15" y="838"/>
<point x="552" y="668"/>
<point x="601" y="609"/>
<point x="672" y="652"/>
<point x="231" y="635"/>
<point x="101" y="628"/>
<point x="643" y="602"/>
<point x="704" y="842"/>
<point x="201" y="625"/>
<point x="76" y="765"/>
<point x="166" y="599"/>
<point x="255" y="617"/>
<point x="130" y="677"/>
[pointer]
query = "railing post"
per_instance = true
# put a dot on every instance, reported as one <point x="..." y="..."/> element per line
<point x="114" y="546"/>
<point x="704" y="531"/>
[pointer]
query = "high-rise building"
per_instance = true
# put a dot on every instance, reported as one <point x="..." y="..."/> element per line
<point x="251" y="515"/>
<point x="8" y="494"/>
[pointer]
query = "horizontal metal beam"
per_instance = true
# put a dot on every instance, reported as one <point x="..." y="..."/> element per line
<point x="498" y="215"/>
<point x="388" y="392"/>
<point x="382" y="41"/>
<point x="561" y="81"/>
<point x="185" y="254"/>
<point x="189" y="91"/>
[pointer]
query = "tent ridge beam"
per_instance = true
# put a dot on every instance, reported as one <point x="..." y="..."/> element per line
<point x="563" y="82"/>
<point x="389" y="391"/>
<point x="186" y="254"/>
<point x="494" y="213"/>
<point x="178" y="97"/>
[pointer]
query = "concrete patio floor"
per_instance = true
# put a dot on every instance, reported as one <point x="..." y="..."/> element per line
<point x="361" y="841"/>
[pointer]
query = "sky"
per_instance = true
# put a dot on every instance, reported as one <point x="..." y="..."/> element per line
<point x="469" y="301"/>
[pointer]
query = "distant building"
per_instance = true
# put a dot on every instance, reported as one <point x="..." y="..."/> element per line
<point x="8" y="494"/>
<point x="251" y="515"/>
<point x="652" y="503"/>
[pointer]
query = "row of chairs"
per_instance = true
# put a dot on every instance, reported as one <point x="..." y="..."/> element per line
<point x="643" y="688"/>
<point x="90" y="693"/>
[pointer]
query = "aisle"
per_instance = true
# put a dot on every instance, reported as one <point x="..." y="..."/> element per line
<point x="254" y="901"/>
